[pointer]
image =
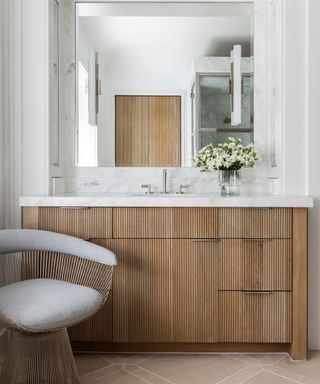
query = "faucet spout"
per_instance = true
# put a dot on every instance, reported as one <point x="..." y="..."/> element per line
<point x="164" y="181"/>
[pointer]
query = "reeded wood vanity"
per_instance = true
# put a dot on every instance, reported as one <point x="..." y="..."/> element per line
<point x="194" y="278"/>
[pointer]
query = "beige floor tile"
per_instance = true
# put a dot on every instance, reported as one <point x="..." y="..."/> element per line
<point x="291" y="374"/>
<point x="117" y="358"/>
<point x="242" y="375"/>
<point x="268" y="378"/>
<point x="116" y="376"/>
<point x="89" y="363"/>
<point x="103" y="373"/>
<point x="146" y="375"/>
<point x="138" y="359"/>
<point x="269" y="358"/>
<point x="193" y="369"/>
<point x="309" y="368"/>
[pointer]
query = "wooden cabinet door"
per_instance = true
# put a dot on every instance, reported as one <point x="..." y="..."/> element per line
<point x="164" y="131"/>
<point x="255" y="317"/>
<point x="132" y="136"/>
<point x="253" y="264"/>
<point x="165" y="290"/>
<point x="148" y="131"/>
<point x="83" y="222"/>
<point x="195" y="299"/>
<point x="141" y="290"/>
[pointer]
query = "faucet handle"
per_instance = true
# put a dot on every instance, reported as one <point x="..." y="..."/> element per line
<point x="148" y="188"/>
<point x="181" y="188"/>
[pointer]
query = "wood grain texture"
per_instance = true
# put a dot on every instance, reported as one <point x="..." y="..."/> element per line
<point x="255" y="264"/>
<point x="194" y="285"/>
<point x="255" y="223"/>
<point x="164" y="131"/>
<point x="165" y="290"/>
<point x="85" y="223"/>
<point x="255" y="318"/>
<point x="30" y="217"/>
<point x="165" y="223"/>
<point x="191" y="223"/>
<point x="141" y="290"/>
<point x="132" y="131"/>
<point x="299" y="347"/>
<point x="141" y="223"/>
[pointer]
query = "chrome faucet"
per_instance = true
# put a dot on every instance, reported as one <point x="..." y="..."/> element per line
<point x="164" y="181"/>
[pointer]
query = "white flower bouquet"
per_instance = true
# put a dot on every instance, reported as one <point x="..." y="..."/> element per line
<point x="230" y="156"/>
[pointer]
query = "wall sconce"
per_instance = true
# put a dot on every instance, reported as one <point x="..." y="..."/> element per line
<point x="236" y="85"/>
<point x="94" y="86"/>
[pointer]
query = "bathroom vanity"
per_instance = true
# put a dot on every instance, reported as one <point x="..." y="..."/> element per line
<point x="194" y="274"/>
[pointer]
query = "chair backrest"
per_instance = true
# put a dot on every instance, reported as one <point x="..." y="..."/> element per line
<point x="56" y="256"/>
<point x="23" y="240"/>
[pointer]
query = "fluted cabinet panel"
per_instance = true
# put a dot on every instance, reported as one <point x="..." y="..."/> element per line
<point x="140" y="223"/>
<point x="165" y="223"/>
<point x="194" y="291"/>
<point x="81" y="222"/>
<point x="193" y="222"/>
<point x="141" y="290"/>
<point x="264" y="317"/>
<point x="255" y="264"/>
<point x="255" y="223"/>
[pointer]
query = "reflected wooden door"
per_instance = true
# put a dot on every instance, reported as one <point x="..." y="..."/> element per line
<point x="148" y="131"/>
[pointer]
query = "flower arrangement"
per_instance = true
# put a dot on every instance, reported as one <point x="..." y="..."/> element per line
<point x="228" y="156"/>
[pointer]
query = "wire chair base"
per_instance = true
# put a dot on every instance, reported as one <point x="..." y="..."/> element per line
<point x="39" y="358"/>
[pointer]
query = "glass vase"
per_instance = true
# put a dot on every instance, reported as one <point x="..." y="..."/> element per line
<point x="229" y="181"/>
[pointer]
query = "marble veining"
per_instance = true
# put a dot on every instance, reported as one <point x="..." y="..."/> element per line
<point x="171" y="200"/>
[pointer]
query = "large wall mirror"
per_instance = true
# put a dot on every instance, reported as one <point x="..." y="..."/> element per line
<point x="155" y="82"/>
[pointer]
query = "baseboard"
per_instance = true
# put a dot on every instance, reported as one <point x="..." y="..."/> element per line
<point x="180" y="347"/>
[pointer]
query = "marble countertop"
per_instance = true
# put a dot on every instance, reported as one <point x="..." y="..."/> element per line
<point x="171" y="200"/>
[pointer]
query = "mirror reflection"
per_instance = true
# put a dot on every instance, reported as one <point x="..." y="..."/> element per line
<point x="158" y="81"/>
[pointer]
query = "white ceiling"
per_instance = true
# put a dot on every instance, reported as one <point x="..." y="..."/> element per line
<point x="219" y="8"/>
<point x="166" y="37"/>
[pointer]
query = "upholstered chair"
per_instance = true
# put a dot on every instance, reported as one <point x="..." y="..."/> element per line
<point x="64" y="280"/>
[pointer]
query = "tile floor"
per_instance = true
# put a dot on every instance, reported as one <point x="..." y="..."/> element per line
<point x="197" y="369"/>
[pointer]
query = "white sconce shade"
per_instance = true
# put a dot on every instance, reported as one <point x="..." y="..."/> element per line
<point x="92" y="86"/>
<point x="236" y="81"/>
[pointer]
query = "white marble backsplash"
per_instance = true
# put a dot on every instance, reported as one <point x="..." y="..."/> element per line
<point x="129" y="180"/>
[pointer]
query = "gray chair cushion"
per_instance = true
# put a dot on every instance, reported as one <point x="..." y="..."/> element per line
<point x="41" y="305"/>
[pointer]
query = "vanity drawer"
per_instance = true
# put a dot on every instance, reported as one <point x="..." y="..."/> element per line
<point x="255" y="264"/>
<point x="255" y="317"/>
<point x="194" y="223"/>
<point x="83" y="222"/>
<point x="158" y="223"/>
<point x="140" y="223"/>
<point x="254" y="223"/>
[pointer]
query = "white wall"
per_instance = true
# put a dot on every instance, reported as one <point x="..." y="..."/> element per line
<point x="295" y="115"/>
<point x="3" y="38"/>
<point x="9" y="175"/>
<point x="34" y="71"/>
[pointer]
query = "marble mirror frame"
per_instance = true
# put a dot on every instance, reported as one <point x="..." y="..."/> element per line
<point x="268" y="90"/>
